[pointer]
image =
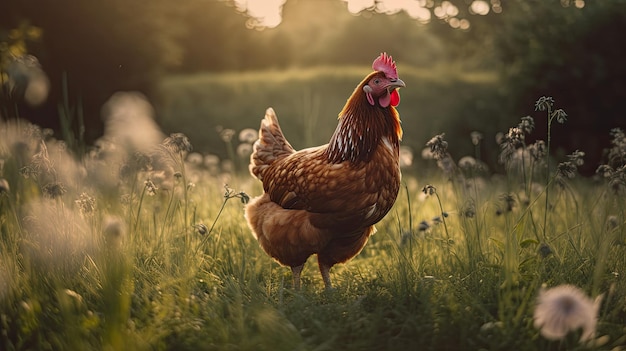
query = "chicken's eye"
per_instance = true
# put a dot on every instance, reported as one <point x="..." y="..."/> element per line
<point x="376" y="81"/>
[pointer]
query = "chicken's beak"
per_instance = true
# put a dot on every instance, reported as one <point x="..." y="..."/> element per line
<point x="396" y="83"/>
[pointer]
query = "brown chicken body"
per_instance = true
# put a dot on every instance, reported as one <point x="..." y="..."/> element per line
<point x="326" y="200"/>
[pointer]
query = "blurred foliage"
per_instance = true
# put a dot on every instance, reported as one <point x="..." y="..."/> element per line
<point x="550" y="47"/>
<point x="574" y="55"/>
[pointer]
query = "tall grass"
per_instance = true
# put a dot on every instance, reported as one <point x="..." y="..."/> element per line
<point x="148" y="250"/>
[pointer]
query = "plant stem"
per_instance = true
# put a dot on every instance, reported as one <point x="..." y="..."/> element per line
<point x="545" y="213"/>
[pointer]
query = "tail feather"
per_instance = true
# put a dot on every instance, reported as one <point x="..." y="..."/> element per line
<point x="271" y="146"/>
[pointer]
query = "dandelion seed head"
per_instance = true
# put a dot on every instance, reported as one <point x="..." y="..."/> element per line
<point x="538" y="150"/>
<point x="476" y="137"/>
<point x="54" y="190"/>
<point x="527" y="124"/>
<point x="566" y="170"/>
<point x="195" y="158"/>
<point x="244" y="150"/>
<point x="86" y="204"/>
<point x="564" y="309"/>
<point x="577" y="158"/>
<point x="438" y="146"/>
<point x="129" y="122"/>
<point x="227" y="134"/>
<point x="211" y="160"/>
<point x="114" y="230"/>
<point x="467" y="162"/>
<point x="248" y="135"/>
<point x="406" y="157"/>
<point x="177" y="143"/>
<point x="427" y="154"/>
<point x="151" y="188"/>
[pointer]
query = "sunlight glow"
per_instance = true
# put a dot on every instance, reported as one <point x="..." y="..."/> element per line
<point x="262" y="13"/>
<point x="479" y="7"/>
<point x="416" y="9"/>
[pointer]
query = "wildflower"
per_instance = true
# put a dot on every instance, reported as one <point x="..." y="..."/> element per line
<point x="509" y="202"/>
<point x="227" y="134"/>
<point x="142" y="162"/>
<point x="617" y="153"/>
<point x="545" y="250"/>
<point x="231" y="193"/>
<point x="54" y="190"/>
<point x="476" y="137"/>
<point x="423" y="226"/>
<point x="151" y="188"/>
<point x="427" y="154"/>
<point x="446" y="164"/>
<point x="195" y="158"/>
<point x="244" y="150"/>
<point x="125" y="199"/>
<point x="605" y="171"/>
<point x="467" y="163"/>
<point x="4" y="186"/>
<point x="201" y="228"/>
<point x="510" y="143"/>
<point x="429" y="190"/>
<point x="178" y="143"/>
<point x="211" y="160"/>
<point x="576" y="158"/>
<point x="566" y="170"/>
<point x="564" y="309"/>
<point x="527" y="124"/>
<point x="544" y="103"/>
<point x="538" y="150"/>
<point x="438" y="146"/>
<point x="41" y="160"/>
<point x="86" y="204"/>
<point x="560" y="116"/>
<point x="470" y="210"/>
<point x="248" y="135"/>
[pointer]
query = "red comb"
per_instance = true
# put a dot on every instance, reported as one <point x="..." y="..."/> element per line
<point x="384" y="63"/>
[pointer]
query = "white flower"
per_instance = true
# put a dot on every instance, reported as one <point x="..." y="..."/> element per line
<point x="563" y="309"/>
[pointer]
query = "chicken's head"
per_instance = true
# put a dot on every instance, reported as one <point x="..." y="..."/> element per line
<point x="382" y="85"/>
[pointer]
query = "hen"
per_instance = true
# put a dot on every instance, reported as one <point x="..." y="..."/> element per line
<point x="325" y="200"/>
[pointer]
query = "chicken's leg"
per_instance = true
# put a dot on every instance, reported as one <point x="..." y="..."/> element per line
<point x="325" y="270"/>
<point x="295" y="272"/>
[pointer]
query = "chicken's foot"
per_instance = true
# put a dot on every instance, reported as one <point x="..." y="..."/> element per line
<point x="295" y="272"/>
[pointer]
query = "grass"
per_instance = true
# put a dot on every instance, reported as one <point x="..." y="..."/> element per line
<point x="119" y="250"/>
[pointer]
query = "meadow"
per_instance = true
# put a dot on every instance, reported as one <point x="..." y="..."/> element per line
<point x="142" y="245"/>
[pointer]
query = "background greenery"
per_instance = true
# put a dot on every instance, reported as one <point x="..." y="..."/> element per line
<point x="534" y="48"/>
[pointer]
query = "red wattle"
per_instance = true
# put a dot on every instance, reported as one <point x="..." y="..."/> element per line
<point x="395" y="98"/>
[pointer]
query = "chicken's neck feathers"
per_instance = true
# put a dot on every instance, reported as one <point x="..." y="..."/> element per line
<point x="361" y="129"/>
